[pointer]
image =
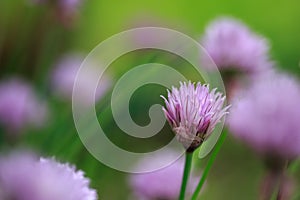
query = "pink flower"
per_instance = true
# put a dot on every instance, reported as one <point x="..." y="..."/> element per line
<point x="66" y="10"/>
<point x="266" y="117"/>
<point x="161" y="184"/>
<point x="19" y="106"/>
<point x="193" y="112"/>
<point x="64" y="76"/>
<point x="23" y="177"/>
<point x="234" y="47"/>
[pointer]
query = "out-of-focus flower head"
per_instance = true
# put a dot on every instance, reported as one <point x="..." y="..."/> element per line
<point x="193" y="112"/>
<point x="69" y="4"/>
<point x="66" y="10"/>
<point x="233" y="46"/>
<point x="64" y="76"/>
<point x="239" y="53"/>
<point x="266" y="116"/>
<point x="161" y="184"/>
<point x="19" y="106"/>
<point x="144" y="37"/>
<point x="24" y="177"/>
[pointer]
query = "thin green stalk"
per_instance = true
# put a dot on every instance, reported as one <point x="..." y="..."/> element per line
<point x="294" y="166"/>
<point x="209" y="165"/>
<point x="186" y="173"/>
<point x="292" y="169"/>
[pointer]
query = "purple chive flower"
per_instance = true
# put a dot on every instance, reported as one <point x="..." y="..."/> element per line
<point x="234" y="47"/>
<point x="266" y="116"/>
<point x="64" y="75"/>
<point x="193" y="112"/>
<point x="19" y="106"/>
<point x="164" y="183"/>
<point x="23" y="177"/>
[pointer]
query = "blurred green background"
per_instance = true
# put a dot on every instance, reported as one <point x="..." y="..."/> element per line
<point x="31" y="40"/>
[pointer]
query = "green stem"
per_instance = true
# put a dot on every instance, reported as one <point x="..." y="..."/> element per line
<point x="292" y="169"/>
<point x="294" y="166"/>
<point x="186" y="173"/>
<point x="209" y="165"/>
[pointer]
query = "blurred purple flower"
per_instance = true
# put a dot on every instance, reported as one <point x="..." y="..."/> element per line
<point x="266" y="117"/>
<point x="19" y="106"/>
<point x="142" y="37"/>
<point x="233" y="46"/>
<point x="64" y="75"/>
<point x="66" y="10"/>
<point x="193" y="112"/>
<point x="23" y="177"/>
<point x="164" y="183"/>
<point x="67" y="5"/>
<point x="70" y="5"/>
